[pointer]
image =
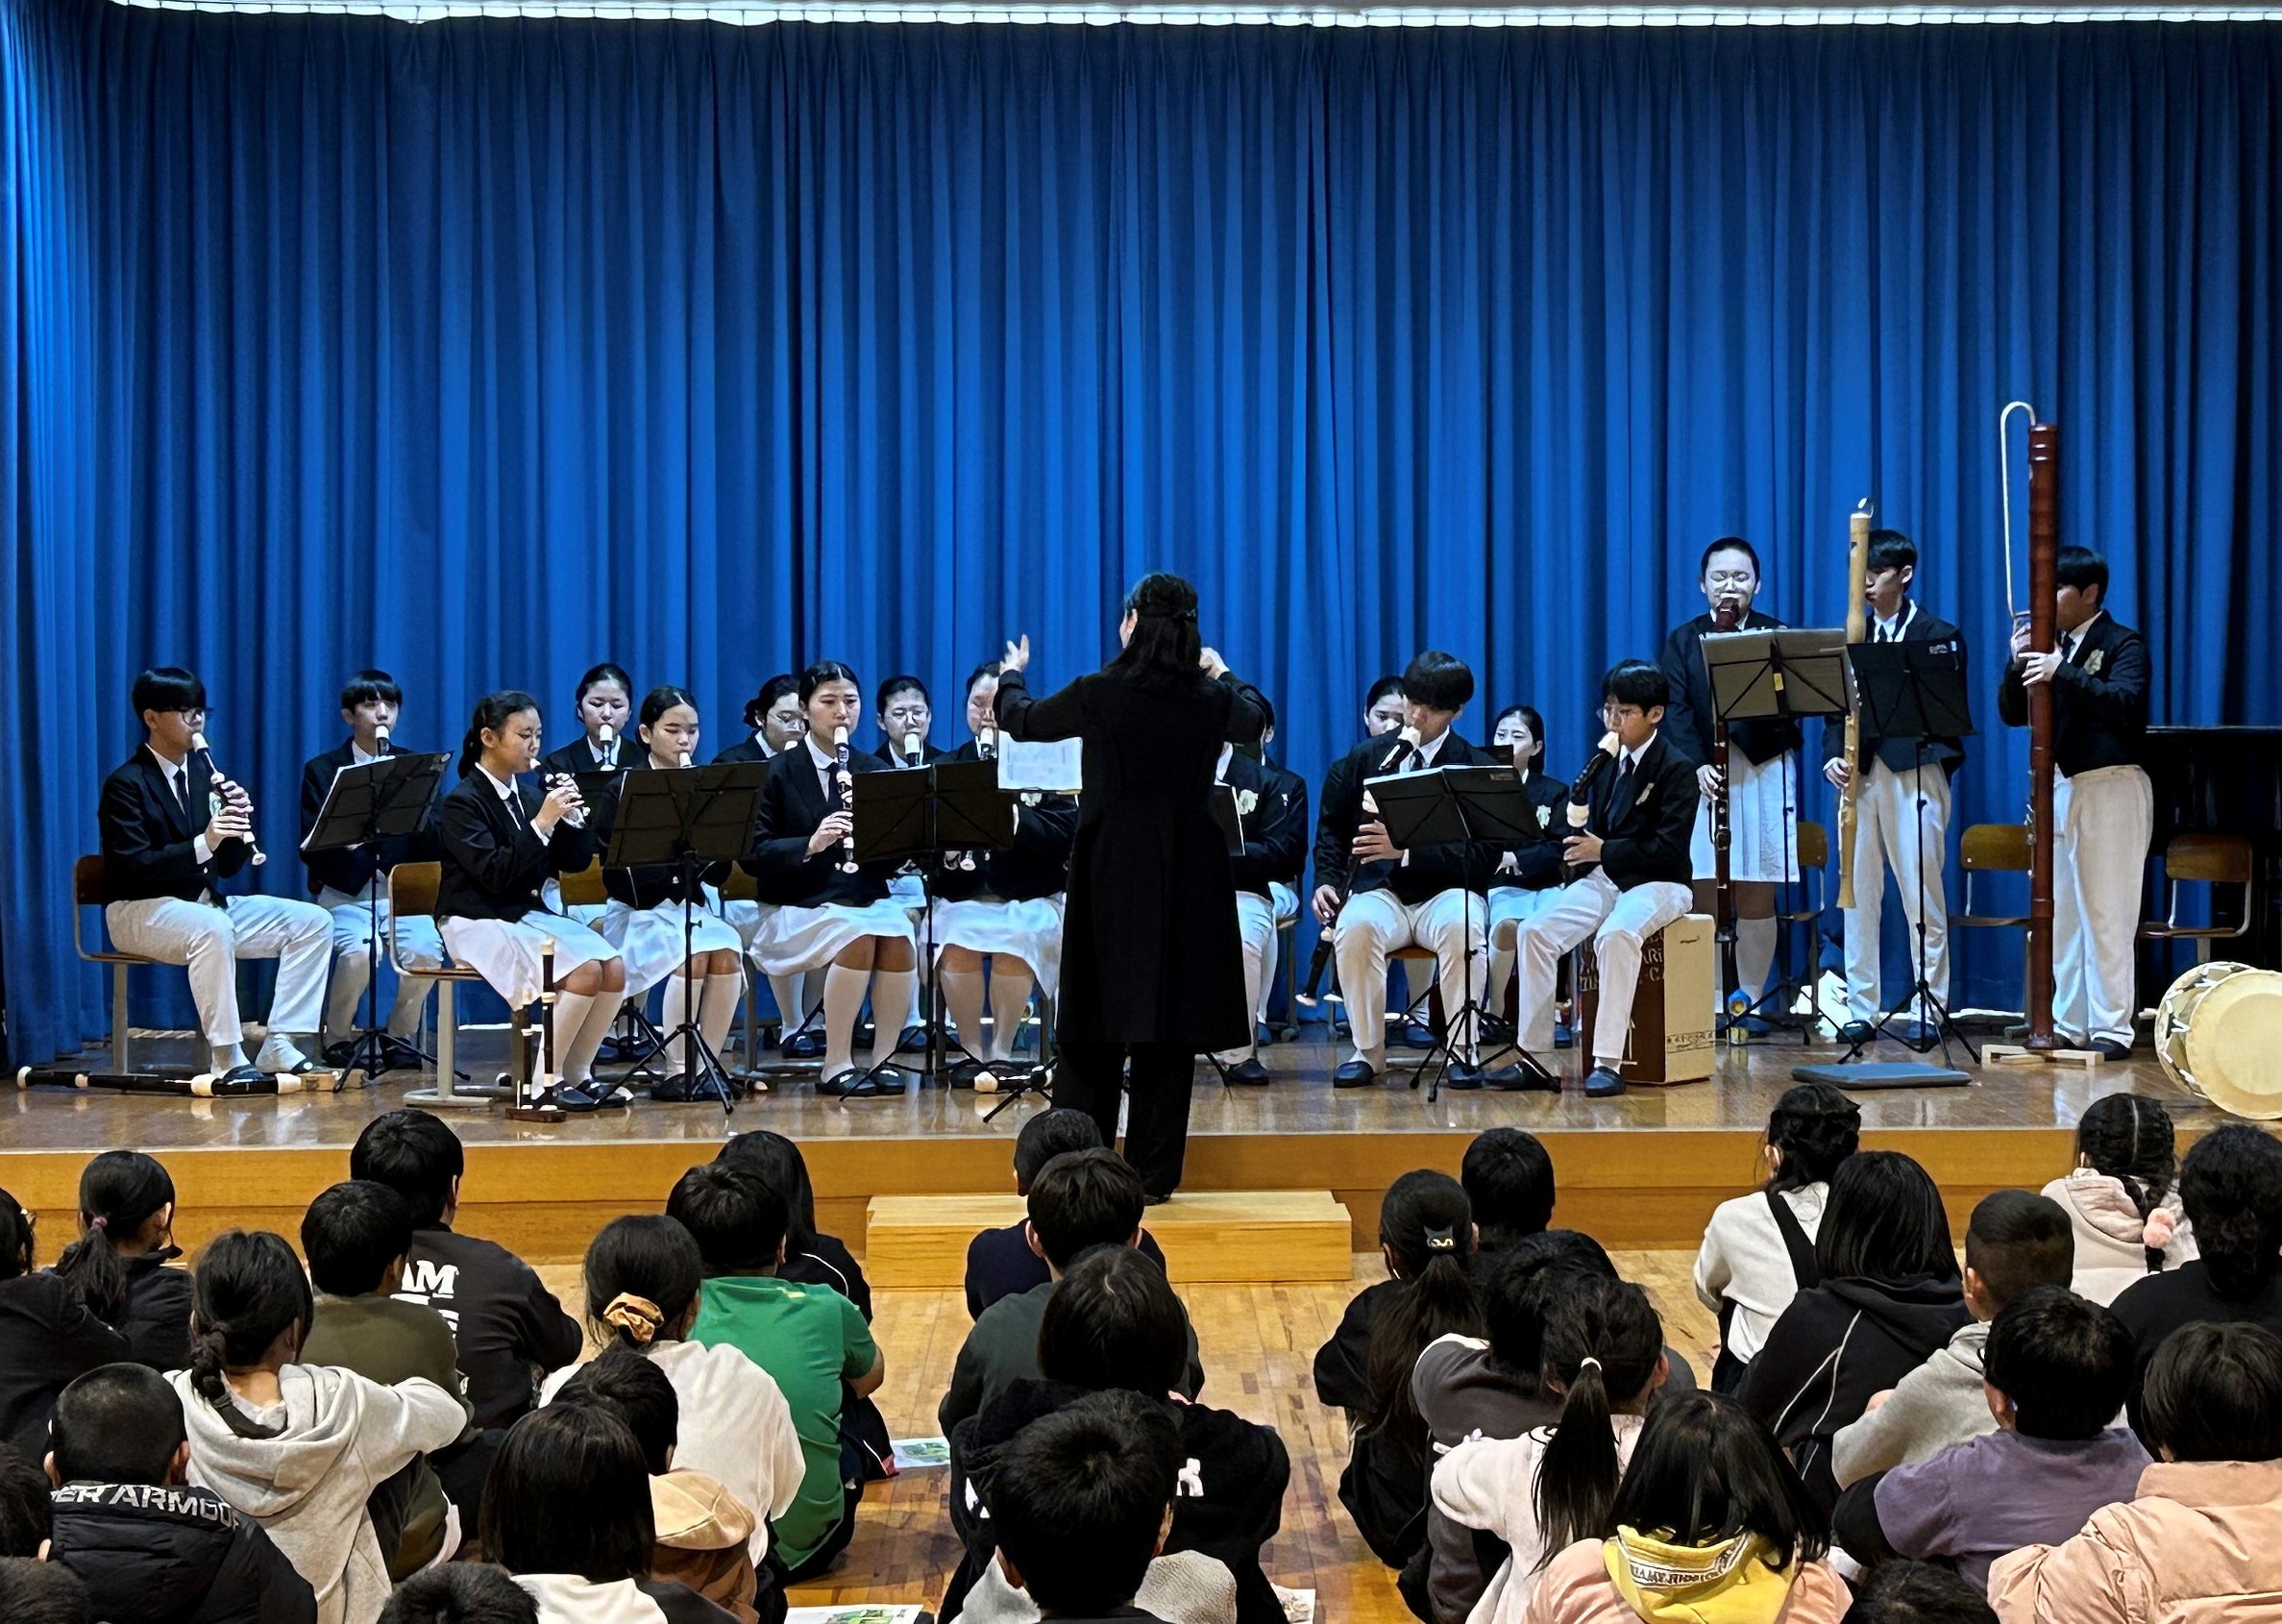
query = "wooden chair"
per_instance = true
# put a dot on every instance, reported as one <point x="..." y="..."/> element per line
<point x="1991" y="848"/>
<point x="87" y="892"/>
<point x="2203" y="858"/>
<point x="1812" y="844"/>
<point x="584" y="889"/>
<point x="412" y="894"/>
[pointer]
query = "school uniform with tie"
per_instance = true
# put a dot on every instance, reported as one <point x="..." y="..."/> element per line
<point x="1430" y="896"/>
<point x="351" y="885"/>
<point x="490" y="901"/>
<point x="1901" y="820"/>
<point x="1273" y="809"/>
<point x="1642" y="811"/>
<point x="2103" y="814"/>
<point x="583" y="755"/>
<point x="816" y="910"/>
<point x="1762" y="804"/>
<point x="1012" y="901"/>
<point x="164" y="900"/>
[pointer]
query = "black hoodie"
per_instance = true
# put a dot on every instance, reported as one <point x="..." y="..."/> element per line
<point x="1229" y="1503"/>
<point x="1837" y="1345"/>
<point x="174" y="1556"/>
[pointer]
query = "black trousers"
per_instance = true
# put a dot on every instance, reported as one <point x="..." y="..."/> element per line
<point x="1157" y="1136"/>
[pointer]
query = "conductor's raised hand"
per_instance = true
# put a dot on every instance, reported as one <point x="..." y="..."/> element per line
<point x="1213" y="665"/>
<point x="835" y="827"/>
<point x="1017" y="657"/>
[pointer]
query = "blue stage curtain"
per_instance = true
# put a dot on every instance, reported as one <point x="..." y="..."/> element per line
<point x="486" y="349"/>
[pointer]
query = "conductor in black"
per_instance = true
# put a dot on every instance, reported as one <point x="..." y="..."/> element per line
<point x="1152" y="966"/>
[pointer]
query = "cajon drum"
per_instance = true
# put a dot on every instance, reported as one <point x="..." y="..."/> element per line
<point x="1672" y="1040"/>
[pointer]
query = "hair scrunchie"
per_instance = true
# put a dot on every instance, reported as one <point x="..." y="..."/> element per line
<point x="1442" y="1241"/>
<point x="640" y="1319"/>
<point x="1589" y="1361"/>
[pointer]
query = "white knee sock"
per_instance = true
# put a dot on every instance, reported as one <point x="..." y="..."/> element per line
<point x="675" y="1011"/>
<point x="602" y="1013"/>
<point x="891" y="994"/>
<point x="718" y="1008"/>
<point x="1010" y="1001"/>
<point x="570" y="1015"/>
<point x="963" y="997"/>
<point x="843" y="999"/>
<point x="1754" y="953"/>
<point x="786" y="989"/>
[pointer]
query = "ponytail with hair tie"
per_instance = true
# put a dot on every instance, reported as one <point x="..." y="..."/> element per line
<point x="1441" y="1240"/>
<point x="1603" y="1341"/>
<point x="637" y="1319"/>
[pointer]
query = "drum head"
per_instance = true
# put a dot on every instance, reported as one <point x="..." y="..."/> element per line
<point x="2232" y="1040"/>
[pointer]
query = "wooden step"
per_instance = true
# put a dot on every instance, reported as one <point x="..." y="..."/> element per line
<point x="1221" y="1236"/>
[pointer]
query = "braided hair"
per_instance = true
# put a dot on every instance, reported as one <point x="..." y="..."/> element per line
<point x="247" y="1291"/>
<point x="2129" y="1138"/>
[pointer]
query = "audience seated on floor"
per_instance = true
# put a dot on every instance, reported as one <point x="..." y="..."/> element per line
<point x="150" y="1546"/>
<point x="999" y="1261"/>
<point x="2123" y="1197"/>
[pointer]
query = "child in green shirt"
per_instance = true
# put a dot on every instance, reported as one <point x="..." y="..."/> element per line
<point x="809" y="1338"/>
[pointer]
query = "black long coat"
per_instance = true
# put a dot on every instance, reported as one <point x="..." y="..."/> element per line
<point x="1150" y="953"/>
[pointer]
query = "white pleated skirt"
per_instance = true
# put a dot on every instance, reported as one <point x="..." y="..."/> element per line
<point x="651" y="940"/>
<point x="505" y="953"/>
<point x="1762" y="819"/>
<point x="791" y="940"/>
<point x="1030" y="931"/>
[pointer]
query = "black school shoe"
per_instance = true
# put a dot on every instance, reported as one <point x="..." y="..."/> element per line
<point x="802" y="1045"/>
<point x="1601" y="1083"/>
<point x="1353" y="1074"/>
<point x="852" y="1084"/>
<point x="1249" y="1072"/>
<point x="1529" y="1076"/>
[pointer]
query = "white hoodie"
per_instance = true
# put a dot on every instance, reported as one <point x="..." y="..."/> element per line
<point x="2111" y="1236"/>
<point x="342" y="1437"/>
<point x="565" y="1598"/>
<point x="1492" y="1483"/>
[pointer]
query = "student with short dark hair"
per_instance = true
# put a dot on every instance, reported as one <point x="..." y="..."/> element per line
<point x="42" y="1592"/>
<point x="1080" y="1501"/>
<point x="1551" y="1487"/>
<point x="2013" y="1242"/>
<point x="49" y="1333"/>
<point x="1508" y="1178"/>
<point x="298" y="1447"/>
<point x="460" y="1592"/>
<point x="355" y="1236"/>
<point x="174" y="835"/>
<point x="2123" y="1197"/>
<point x="118" y="1264"/>
<point x="2103" y="805"/>
<point x="999" y="1261"/>
<point x="25" y="1519"/>
<point x="1758" y="1249"/>
<point x="1919" y="1592"/>
<point x="644" y="1279"/>
<point x="1710" y="1521"/>
<point x="1427" y="1240"/>
<point x="350" y="884"/>
<point x="2202" y="1536"/>
<point x="1081" y="1199"/>
<point x="567" y="1512"/>
<point x="150" y="1546"/>
<point x="2231" y="1189"/>
<point x="809" y="1338"/>
<point x="2058" y="1370"/>
<point x="1888" y="1298"/>
<point x="507" y="1327"/>
<point x="703" y="1534"/>
<point x="1632" y="857"/>
<point x="1115" y="1324"/>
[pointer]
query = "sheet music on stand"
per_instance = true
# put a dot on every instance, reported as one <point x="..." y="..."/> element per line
<point x="1037" y="767"/>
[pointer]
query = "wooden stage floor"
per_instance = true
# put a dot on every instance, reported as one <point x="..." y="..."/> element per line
<point x="1640" y="1171"/>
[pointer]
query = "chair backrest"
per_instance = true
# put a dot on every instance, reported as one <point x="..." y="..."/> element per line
<point x="1814" y="845"/>
<point x="86" y="882"/>
<point x="412" y="888"/>
<point x="2218" y="859"/>
<point x="1995" y="845"/>
<point x="739" y="888"/>
<point x="584" y="889"/>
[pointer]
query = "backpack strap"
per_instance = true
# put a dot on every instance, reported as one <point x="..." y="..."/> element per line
<point x="1803" y="1269"/>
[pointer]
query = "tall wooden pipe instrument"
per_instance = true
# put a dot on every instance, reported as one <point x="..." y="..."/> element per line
<point x="1858" y="578"/>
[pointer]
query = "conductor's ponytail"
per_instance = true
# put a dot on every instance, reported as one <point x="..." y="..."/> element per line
<point x="1603" y="1343"/>
<point x="247" y="1291"/>
<point x="492" y="711"/>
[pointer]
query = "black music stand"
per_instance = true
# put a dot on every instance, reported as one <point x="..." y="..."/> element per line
<point x="690" y="817"/>
<point x="1468" y="805"/>
<point x="1231" y="819"/>
<point x="1915" y="691"/>
<point x="1771" y="673"/>
<point x="365" y="804"/>
<point x="928" y="816"/>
